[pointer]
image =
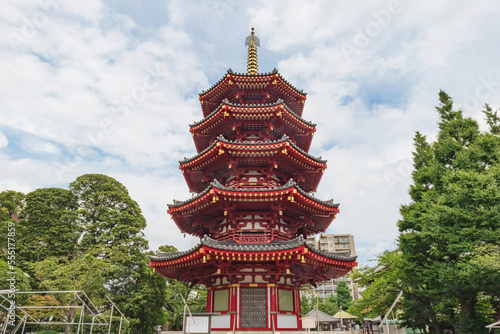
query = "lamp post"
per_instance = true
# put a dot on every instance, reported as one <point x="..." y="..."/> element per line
<point x="341" y="322"/>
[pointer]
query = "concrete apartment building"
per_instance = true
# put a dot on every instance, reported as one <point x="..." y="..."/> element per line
<point x="343" y="243"/>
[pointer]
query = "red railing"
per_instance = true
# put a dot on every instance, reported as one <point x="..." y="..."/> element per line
<point x="252" y="238"/>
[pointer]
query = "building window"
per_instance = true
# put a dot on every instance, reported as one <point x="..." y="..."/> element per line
<point x="221" y="300"/>
<point x="285" y="300"/>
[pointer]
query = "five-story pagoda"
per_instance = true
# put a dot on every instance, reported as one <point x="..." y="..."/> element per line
<point x="253" y="207"/>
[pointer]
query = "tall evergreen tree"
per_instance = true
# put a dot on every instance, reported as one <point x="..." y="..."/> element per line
<point x="344" y="297"/>
<point x="455" y="208"/>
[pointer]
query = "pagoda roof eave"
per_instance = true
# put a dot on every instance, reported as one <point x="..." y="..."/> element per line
<point x="230" y="73"/>
<point x="221" y="139"/>
<point x="231" y="246"/>
<point x="278" y="156"/>
<point x="210" y="260"/>
<point x="215" y="185"/>
<point x="225" y="102"/>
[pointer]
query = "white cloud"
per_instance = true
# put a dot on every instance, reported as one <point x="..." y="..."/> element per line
<point x="39" y="146"/>
<point x="3" y="140"/>
<point x="94" y="90"/>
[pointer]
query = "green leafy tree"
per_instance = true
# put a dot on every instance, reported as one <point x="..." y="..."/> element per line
<point x="11" y="205"/>
<point x="344" y="297"/>
<point x="455" y="207"/>
<point x="143" y="300"/>
<point x="492" y="119"/>
<point x="486" y="265"/>
<point x="488" y="257"/>
<point x="84" y="272"/>
<point x="113" y="230"/>
<point x="329" y="306"/>
<point x="113" y="222"/>
<point x="13" y="278"/>
<point x="92" y="232"/>
<point x="380" y="286"/>
<point x="48" y="227"/>
<point x="194" y="295"/>
<point x="307" y="299"/>
<point x="44" y="313"/>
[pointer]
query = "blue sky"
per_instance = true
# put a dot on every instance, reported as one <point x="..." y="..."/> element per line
<point x="110" y="87"/>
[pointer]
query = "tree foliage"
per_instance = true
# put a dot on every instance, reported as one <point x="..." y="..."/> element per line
<point x="329" y="306"/>
<point x="307" y="299"/>
<point x="90" y="238"/>
<point x="141" y="297"/>
<point x="447" y="260"/>
<point x="113" y="230"/>
<point x="194" y="295"/>
<point x="84" y="273"/>
<point x="455" y="208"/>
<point x="381" y="284"/>
<point x="11" y="204"/>
<point x="6" y="273"/>
<point x="344" y="297"/>
<point x="112" y="221"/>
<point x="47" y="227"/>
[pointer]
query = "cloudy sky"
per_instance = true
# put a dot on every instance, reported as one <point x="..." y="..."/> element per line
<point x="108" y="86"/>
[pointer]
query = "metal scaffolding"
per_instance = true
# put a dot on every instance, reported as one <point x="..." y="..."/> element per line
<point x="24" y="313"/>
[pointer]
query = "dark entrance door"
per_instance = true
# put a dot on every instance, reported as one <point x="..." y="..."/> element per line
<point x="253" y="308"/>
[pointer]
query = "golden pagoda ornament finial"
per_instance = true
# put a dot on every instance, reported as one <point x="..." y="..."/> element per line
<point x="252" y="63"/>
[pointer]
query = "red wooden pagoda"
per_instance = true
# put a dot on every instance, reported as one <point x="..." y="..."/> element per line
<point x="253" y="207"/>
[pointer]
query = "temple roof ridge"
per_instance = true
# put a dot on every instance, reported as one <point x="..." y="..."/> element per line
<point x="233" y="246"/>
<point x="222" y="139"/>
<point x="227" y="103"/>
<point x="230" y="71"/>
<point x="208" y="148"/>
<point x="339" y="255"/>
<point x="236" y="74"/>
<point x="271" y="104"/>
<point x="209" y="115"/>
<point x="199" y="195"/>
<point x="203" y="92"/>
<point x="217" y="185"/>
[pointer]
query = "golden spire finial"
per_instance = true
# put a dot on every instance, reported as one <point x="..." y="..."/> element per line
<point x="252" y="63"/>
